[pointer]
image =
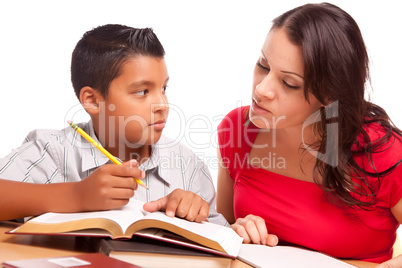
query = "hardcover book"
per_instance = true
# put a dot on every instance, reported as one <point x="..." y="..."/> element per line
<point x="131" y="220"/>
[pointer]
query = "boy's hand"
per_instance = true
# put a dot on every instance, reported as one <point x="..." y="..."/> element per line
<point x="253" y="230"/>
<point x="181" y="203"/>
<point x="110" y="186"/>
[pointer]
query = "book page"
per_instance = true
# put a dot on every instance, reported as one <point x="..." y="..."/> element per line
<point x="164" y="235"/>
<point x="122" y="216"/>
<point x="226" y="237"/>
<point x="284" y="257"/>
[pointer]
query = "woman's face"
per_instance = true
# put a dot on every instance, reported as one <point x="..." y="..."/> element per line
<point x="278" y="99"/>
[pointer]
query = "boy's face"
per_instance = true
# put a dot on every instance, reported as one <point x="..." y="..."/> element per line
<point x="136" y="108"/>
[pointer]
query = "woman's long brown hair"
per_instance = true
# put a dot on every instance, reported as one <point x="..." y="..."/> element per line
<point x="336" y="70"/>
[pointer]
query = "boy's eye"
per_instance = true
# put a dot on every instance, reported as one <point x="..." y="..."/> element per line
<point x="141" y="92"/>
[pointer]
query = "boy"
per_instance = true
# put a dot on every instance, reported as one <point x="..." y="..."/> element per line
<point x="120" y="77"/>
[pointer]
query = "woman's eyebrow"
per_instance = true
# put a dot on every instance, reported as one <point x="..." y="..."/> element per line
<point x="286" y="72"/>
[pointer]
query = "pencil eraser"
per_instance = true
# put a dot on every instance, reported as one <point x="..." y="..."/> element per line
<point x="69" y="122"/>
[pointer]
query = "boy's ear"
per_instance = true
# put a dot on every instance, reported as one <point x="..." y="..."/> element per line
<point x="90" y="99"/>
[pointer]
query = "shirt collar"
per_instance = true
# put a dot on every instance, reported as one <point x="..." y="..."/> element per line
<point x="162" y="162"/>
<point x="93" y="158"/>
<point x="153" y="161"/>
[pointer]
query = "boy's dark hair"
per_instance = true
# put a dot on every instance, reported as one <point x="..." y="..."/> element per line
<point x="99" y="55"/>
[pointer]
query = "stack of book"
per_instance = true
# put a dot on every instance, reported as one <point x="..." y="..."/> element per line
<point x="156" y="240"/>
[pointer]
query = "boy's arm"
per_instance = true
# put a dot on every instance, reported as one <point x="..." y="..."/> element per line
<point x="110" y="186"/>
<point x="204" y="186"/>
<point x="20" y="199"/>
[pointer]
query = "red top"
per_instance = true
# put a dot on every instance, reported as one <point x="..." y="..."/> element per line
<point x="298" y="211"/>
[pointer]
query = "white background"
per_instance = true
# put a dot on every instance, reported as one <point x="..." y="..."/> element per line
<point x="211" y="48"/>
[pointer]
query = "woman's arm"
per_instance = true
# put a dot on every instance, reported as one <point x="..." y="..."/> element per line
<point x="224" y="192"/>
<point x="397" y="211"/>
<point x="397" y="261"/>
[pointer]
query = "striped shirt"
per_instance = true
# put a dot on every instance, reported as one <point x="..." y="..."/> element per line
<point x="53" y="156"/>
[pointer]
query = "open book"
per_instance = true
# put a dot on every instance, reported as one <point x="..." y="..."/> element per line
<point x="285" y="256"/>
<point x="131" y="220"/>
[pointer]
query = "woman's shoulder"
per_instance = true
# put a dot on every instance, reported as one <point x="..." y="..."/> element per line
<point x="238" y="115"/>
<point x="384" y="144"/>
<point x="382" y="137"/>
<point x="234" y="126"/>
<point x="235" y="134"/>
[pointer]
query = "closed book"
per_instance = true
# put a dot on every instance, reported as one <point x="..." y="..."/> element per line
<point x="153" y="253"/>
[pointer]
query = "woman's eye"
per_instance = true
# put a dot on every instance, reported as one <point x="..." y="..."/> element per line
<point x="262" y="66"/>
<point x="141" y="92"/>
<point x="290" y="86"/>
<point x="164" y="89"/>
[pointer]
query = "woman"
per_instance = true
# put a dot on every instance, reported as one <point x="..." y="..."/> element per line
<point x="311" y="161"/>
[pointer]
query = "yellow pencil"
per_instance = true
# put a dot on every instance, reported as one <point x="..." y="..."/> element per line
<point x="100" y="148"/>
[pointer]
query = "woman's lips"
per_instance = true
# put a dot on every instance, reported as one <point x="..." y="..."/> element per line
<point x="159" y="125"/>
<point x="258" y="109"/>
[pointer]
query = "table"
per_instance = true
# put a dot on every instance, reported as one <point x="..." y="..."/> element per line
<point x="18" y="247"/>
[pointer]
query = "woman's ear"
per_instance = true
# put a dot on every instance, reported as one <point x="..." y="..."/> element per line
<point x="90" y="99"/>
